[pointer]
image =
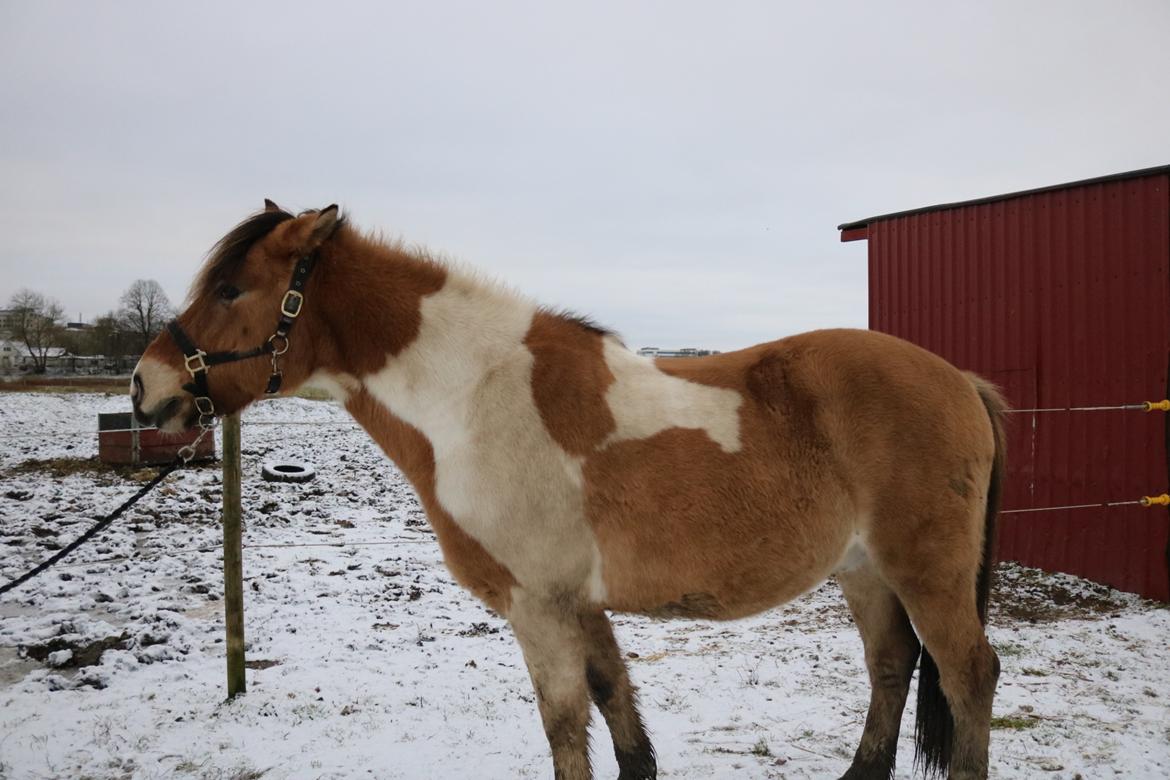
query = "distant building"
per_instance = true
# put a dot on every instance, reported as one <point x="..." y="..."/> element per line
<point x="655" y="352"/>
<point x="16" y="356"/>
<point x="10" y="355"/>
<point x="8" y="318"/>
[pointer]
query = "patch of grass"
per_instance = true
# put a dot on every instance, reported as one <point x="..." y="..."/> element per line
<point x="1013" y="723"/>
<point x="62" y="467"/>
<point x="750" y="675"/>
<point x="761" y="749"/>
<point x="189" y="767"/>
<point x="111" y="385"/>
<point x="313" y="394"/>
<point x="59" y="468"/>
<point x="1009" y="649"/>
<point x="249" y="774"/>
<point x="105" y="384"/>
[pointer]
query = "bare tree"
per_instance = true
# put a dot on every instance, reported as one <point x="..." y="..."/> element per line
<point x="145" y="309"/>
<point x="108" y="336"/>
<point x="37" y="323"/>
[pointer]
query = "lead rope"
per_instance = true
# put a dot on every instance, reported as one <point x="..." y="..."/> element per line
<point x="184" y="457"/>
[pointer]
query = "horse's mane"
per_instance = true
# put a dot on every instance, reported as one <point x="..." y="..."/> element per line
<point x="580" y="320"/>
<point x="227" y="256"/>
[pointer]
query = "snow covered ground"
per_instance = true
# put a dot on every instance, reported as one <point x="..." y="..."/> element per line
<point x="370" y="662"/>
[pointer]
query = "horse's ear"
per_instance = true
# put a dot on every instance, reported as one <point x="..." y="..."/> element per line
<point x="270" y="206"/>
<point x="313" y="228"/>
<point x="323" y="226"/>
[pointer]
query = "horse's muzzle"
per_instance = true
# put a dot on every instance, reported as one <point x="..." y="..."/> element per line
<point x="164" y="415"/>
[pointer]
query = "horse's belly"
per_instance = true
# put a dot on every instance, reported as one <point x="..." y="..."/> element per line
<point x="687" y="529"/>
<point x="723" y="580"/>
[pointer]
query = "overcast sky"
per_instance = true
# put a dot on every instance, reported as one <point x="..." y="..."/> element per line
<point x="676" y="170"/>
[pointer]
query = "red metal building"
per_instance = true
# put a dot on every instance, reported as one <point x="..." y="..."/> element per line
<point x="1062" y="296"/>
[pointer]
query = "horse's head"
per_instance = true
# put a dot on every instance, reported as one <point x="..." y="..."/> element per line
<point x="238" y="302"/>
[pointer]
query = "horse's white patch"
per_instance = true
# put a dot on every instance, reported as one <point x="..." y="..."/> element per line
<point x="854" y="555"/>
<point x="645" y="401"/>
<point x="160" y="383"/>
<point x="595" y="587"/>
<point x="466" y="384"/>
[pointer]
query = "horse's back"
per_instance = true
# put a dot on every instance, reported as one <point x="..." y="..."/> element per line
<point x="868" y="395"/>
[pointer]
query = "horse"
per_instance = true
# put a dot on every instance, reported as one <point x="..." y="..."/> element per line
<point x="565" y="476"/>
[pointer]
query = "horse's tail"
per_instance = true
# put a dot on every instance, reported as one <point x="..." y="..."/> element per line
<point x="934" y="726"/>
<point x="996" y="406"/>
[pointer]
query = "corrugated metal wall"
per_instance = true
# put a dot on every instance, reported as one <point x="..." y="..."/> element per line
<point x="1063" y="298"/>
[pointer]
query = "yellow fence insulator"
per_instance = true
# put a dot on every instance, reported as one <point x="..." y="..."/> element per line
<point x="1158" y="406"/>
<point x="1162" y="500"/>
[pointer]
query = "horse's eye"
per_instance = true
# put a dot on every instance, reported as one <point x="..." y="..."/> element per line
<point x="229" y="293"/>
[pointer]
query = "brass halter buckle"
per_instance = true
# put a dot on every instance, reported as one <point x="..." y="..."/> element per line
<point x="195" y="363"/>
<point x="291" y="305"/>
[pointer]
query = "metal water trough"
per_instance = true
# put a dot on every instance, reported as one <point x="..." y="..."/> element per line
<point x="122" y="441"/>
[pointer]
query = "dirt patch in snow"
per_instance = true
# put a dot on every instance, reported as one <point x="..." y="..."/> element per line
<point x="68" y="654"/>
<point x="260" y="663"/>
<point x="1035" y="596"/>
<point x="65" y="467"/>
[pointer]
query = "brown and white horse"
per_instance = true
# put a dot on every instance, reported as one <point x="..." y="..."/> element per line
<point x="566" y="476"/>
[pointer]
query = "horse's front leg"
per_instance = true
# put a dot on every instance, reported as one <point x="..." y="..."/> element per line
<point x="551" y="637"/>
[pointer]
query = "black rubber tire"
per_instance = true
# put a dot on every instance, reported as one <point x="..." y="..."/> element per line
<point x="276" y="471"/>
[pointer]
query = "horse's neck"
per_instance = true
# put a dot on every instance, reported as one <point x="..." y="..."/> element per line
<point x="461" y="331"/>
<point x="419" y="404"/>
<point x="465" y="328"/>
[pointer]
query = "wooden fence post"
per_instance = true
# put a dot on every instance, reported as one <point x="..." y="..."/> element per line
<point x="233" y="564"/>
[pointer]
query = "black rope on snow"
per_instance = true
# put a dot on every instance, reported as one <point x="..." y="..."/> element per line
<point x="97" y="527"/>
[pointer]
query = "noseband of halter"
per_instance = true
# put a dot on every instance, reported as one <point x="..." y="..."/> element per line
<point x="198" y="362"/>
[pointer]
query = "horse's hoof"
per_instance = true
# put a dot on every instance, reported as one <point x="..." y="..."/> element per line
<point x="869" y="770"/>
<point x="637" y="766"/>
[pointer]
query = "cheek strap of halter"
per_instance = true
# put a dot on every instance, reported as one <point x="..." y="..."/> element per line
<point x="290" y="309"/>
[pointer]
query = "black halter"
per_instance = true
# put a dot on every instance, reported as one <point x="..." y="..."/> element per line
<point x="198" y="362"/>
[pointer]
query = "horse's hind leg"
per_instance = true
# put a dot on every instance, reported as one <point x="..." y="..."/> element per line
<point x="609" y="684"/>
<point x="934" y="562"/>
<point x="948" y="624"/>
<point x="891" y="650"/>
<point x="550" y="635"/>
